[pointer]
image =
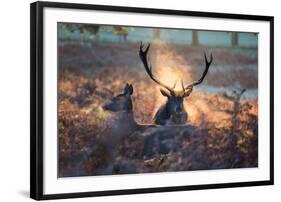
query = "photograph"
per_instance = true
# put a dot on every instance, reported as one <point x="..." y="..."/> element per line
<point x="139" y="100"/>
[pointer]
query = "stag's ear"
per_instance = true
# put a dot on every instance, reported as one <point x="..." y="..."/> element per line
<point x="187" y="92"/>
<point x="165" y="93"/>
<point x="128" y="90"/>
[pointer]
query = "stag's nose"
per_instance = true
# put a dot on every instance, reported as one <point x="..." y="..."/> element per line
<point x="178" y="109"/>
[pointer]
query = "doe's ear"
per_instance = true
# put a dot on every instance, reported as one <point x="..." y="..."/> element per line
<point x="128" y="90"/>
<point x="165" y="93"/>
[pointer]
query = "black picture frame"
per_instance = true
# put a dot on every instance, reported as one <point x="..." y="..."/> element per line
<point x="36" y="98"/>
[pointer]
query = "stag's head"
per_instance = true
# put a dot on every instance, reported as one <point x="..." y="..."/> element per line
<point x="121" y="102"/>
<point x="174" y="107"/>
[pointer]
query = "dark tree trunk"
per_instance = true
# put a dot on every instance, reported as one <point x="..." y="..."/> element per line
<point x="195" y="41"/>
<point x="157" y="34"/>
<point x="234" y="39"/>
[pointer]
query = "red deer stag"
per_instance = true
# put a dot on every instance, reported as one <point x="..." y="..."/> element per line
<point x="173" y="110"/>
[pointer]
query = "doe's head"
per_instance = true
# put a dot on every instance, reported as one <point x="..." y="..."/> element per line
<point x="121" y="102"/>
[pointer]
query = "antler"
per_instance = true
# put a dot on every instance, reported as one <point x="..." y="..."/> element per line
<point x="207" y="63"/>
<point x="148" y="68"/>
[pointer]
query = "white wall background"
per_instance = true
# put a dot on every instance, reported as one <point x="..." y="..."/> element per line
<point x="14" y="100"/>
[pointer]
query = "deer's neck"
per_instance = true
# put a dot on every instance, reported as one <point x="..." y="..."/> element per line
<point x="167" y="110"/>
<point x="127" y="117"/>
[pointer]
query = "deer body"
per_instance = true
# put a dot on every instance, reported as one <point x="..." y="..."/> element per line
<point x="173" y="111"/>
<point x="122" y="123"/>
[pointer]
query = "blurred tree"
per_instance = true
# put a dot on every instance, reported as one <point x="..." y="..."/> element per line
<point x="93" y="29"/>
<point x="195" y="41"/>
<point x="234" y="39"/>
<point x="156" y="34"/>
<point x="122" y="32"/>
<point x="72" y="27"/>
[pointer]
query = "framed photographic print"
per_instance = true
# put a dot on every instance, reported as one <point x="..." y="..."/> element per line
<point x="135" y="100"/>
